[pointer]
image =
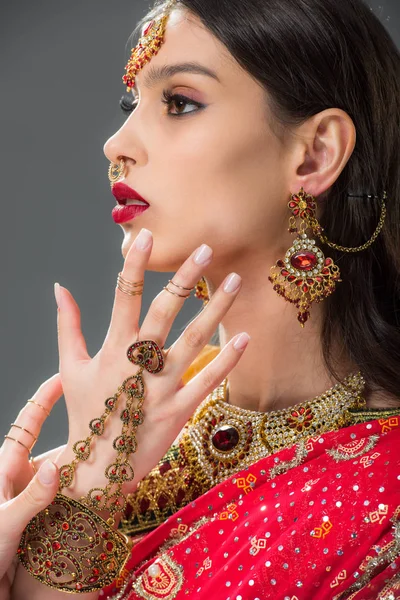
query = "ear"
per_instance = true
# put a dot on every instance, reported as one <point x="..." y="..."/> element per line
<point x="322" y="147"/>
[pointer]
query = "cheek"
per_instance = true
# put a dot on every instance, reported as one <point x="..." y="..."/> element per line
<point x="216" y="184"/>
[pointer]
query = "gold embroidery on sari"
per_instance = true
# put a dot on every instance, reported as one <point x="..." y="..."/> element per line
<point x="163" y="585"/>
<point x="353" y="449"/>
<point x="383" y="559"/>
<point x="285" y="466"/>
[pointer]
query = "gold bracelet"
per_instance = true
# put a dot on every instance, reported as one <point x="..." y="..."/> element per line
<point x="68" y="546"/>
<point x="71" y="548"/>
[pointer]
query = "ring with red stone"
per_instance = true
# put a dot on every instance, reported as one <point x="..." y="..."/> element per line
<point x="148" y="355"/>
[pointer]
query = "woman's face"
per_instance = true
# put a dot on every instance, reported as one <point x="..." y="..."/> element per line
<point x="211" y="168"/>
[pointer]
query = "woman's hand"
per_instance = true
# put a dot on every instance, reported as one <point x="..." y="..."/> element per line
<point x="23" y="495"/>
<point x="168" y="404"/>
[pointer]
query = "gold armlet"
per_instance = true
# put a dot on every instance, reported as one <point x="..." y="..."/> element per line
<point x="69" y="546"/>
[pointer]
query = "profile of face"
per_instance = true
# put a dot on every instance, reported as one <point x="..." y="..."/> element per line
<point x="210" y="167"/>
<point x="209" y="164"/>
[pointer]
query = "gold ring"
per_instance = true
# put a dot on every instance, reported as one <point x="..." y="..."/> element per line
<point x="42" y="407"/>
<point x="34" y="469"/>
<point x="175" y="294"/>
<point x="180" y="286"/>
<point x="130" y="283"/>
<point x="23" y="429"/>
<point x="8" y="437"/>
<point x="128" y="287"/>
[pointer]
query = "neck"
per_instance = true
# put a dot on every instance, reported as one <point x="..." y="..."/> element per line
<point x="283" y="363"/>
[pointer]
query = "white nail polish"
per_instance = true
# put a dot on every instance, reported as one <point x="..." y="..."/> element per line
<point x="143" y="239"/>
<point x="203" y="254"/>
<point x="242" y="341"/>
<point x="232" y="282"/>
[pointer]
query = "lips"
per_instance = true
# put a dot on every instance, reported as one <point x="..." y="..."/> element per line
<point x="123" y="214"/>
<point x="123" y="192"/>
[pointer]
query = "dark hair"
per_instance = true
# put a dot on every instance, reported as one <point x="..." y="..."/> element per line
<point x="311" y="55"/>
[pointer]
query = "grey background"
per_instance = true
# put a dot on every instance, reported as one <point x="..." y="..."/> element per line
<point x="60" y="84"/>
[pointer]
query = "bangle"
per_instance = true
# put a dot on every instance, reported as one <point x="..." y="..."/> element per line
<point x="68" y="546"/>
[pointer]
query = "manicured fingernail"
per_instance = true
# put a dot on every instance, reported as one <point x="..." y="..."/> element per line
<point x="202" y="255"/>
<point x="143" y="239"/>
<point x="241" y="341"/>
<point x="57" y="294"/>
<point x="232" y="282"/>
<point x="47" y="472"/>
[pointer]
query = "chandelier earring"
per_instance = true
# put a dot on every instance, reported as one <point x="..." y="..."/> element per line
<point x="305" y="275"/>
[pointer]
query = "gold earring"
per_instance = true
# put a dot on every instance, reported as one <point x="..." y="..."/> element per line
<point x="305" y="275"/>
<point x="202" y="292"/>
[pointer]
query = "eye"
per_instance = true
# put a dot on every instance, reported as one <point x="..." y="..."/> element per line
<point x="128" y="104"/>
<point x="180" y="102"/>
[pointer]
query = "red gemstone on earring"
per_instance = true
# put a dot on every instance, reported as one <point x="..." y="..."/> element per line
<point x="304" y="261"/>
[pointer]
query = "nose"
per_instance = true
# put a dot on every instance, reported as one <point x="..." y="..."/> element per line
<point x="125" y="143"/>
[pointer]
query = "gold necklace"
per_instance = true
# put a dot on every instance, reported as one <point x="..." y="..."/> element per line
<point x="221" y="439"/>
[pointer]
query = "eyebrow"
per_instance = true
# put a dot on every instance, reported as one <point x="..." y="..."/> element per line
<point x="157" y="74"/>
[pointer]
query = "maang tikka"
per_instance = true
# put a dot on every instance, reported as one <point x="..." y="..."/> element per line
<point x="305" y="275"/>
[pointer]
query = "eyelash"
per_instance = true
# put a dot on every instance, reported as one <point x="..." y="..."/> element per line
<point x="128" y="105"/>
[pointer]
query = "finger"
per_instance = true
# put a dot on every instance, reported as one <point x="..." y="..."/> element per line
<point x="199" y="331"/>
<point x="38" y="494"/>
<point x="212" y="375"/>
<point x="165" y="307"/>
<point x="30" y="419"/>
<point x="126" y="310"/>
<point x="71" y="343"/>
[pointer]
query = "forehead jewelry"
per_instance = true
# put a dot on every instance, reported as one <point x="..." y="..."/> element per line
<point x="148" y="46"/>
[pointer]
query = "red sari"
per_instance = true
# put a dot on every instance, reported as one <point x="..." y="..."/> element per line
<point x="320" y="520"/>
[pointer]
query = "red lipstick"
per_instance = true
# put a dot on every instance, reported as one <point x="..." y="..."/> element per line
<point x="126" y="211"/>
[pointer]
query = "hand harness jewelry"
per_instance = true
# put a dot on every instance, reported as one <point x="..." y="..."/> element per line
<point x="68" y="546"/>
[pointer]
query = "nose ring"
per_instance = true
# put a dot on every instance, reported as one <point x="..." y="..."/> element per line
<point x="116" y="171"/>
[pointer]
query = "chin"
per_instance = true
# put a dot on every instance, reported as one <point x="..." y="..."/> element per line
<point x="126" y="244"/>
<point x="157" y="262"/>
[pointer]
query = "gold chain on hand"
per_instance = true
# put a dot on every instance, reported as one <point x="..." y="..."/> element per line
<point x="68" y="546"/>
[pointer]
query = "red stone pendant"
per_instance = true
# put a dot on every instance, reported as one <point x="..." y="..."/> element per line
<point x="225" y="438"/>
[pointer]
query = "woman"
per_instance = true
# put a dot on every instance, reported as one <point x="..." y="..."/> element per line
<point x="297" y="454"/>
